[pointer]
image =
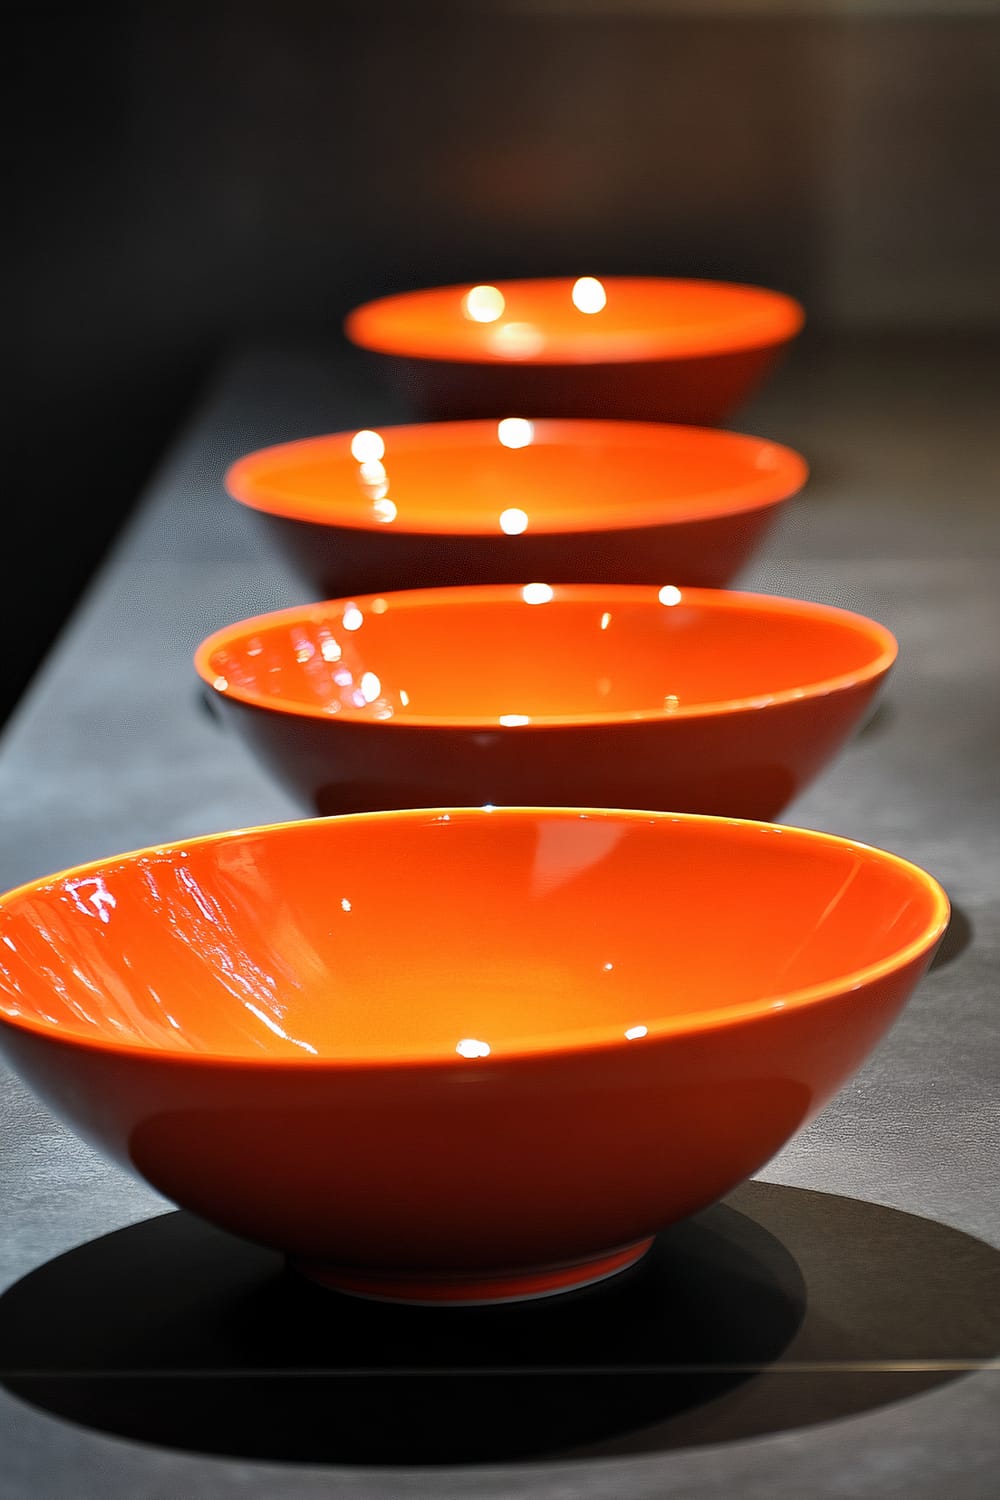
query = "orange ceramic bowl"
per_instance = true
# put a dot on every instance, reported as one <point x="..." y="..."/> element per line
<point x="511" y="500"/>
<point x="459" y="1055"/>
<point x="625" y="346"/>
<point x="690" y="700"/>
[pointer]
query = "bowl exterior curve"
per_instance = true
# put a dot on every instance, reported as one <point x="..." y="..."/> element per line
<point x="512" y="1162"/>
<point x="745" y="764"/>
<point x="339" y="560"/>
<point x="703" y="390"/>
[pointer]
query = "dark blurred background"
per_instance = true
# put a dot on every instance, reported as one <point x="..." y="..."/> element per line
<point x="192" y="178"/>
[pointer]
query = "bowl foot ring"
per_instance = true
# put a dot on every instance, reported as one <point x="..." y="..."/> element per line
<point x="472" y="1289"/>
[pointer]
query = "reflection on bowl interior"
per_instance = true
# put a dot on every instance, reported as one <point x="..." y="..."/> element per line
<point x="516" y="475"/>
<point x="586" y="320"/>
<point x="459" y="937"/>
<point x="536" y="654"/>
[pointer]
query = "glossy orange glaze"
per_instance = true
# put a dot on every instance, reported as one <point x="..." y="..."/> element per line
<point x="570" y="654"/>
<point x="511" y="476"/>
<point x="473" y="1044"/>
<point x="538" y="322"/>
<point x="690" y="699"/>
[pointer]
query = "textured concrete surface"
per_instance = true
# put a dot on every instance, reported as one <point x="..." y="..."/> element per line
<point x="112" y="750"/>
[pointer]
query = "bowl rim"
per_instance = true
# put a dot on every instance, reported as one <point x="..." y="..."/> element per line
<point x="761" y="490"/>
<point x="551" y="1045"/>
<point x="884" y="643"/>
<point x="779" y="318"/>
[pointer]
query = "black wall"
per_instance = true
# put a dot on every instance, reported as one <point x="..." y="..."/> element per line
<point x="189" y="177"/>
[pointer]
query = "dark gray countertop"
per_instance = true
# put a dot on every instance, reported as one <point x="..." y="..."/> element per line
<point x="863" y="1279"/>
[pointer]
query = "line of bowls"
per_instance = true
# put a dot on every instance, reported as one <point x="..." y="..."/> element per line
<point x="485" y="1035"/>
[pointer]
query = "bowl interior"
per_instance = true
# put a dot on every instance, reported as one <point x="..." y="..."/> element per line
<point x="451" y="936"/>
<point x="514" y="476"/>
<point x="560" y="320"/>
<point x="512" y="655"/>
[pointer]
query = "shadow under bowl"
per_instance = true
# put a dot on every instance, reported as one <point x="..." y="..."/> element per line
<point x="459" y="1056"/>
<point x="587" y="695"/>
<point x="648" y="348"/>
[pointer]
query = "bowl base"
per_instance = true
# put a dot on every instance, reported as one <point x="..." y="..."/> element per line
<point x="475" y="1288"/>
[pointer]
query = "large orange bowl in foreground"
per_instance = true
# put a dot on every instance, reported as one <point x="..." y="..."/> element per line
<point x="511" y="500"/>
<point x="459" y="1055"/>
<point x="648" y="347"/>
<point x="691" y="700"/>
